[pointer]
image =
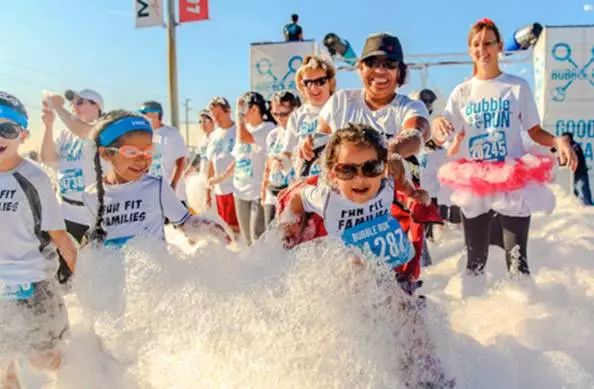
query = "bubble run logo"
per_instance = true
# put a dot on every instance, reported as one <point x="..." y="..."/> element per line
<point x="561" y="53"/>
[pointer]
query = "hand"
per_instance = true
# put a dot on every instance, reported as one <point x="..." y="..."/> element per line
<point x="208" y="199"/>
<point x="421" y="196"/>
<point x="406" y="145"/>
<point x="396" y="166"/>
<point x="212" y="181"/>
<point x="48" y="116"/>
<point x="197" y="226"/>
<point x="306" y="149"/>
<point x="567" y="156"/>
<point x="441" y="129"/>
<point x="55" y="101"/>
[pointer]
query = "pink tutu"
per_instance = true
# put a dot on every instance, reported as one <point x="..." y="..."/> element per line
<point x="488" y="178"/>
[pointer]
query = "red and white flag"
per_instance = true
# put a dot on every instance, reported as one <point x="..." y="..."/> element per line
<point x="193" y="10"/>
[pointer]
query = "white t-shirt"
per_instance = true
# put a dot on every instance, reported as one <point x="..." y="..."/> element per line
<point x="302" y="122"/>
<point x="434" y="160"/>
<point x="21" y="259"/>
<point x="250" y="160"/>
<point x="169" y="147"/>
<point x="280" y="174"/>
<point x="202" y="147"/>
<point x="348" y="106"/>
<point x="369" y="224"/>
<point x="220" y="146"/>
<point x="75" y="172"/>
<point x="492" y="113"/>
<point x="137" y="208"/>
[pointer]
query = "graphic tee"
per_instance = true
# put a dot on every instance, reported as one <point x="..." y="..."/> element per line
<point x="220" y="146"/>
<point x="28" y="209"/>
<point x="492" y="113"/>
<point x="137" y="208"/>
<point x="368" y="226"/>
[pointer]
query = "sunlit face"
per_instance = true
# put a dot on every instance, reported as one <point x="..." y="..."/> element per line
<point x="130" y="169"/>
<point x="316" y="87"/>
<point x="219" y="114"/>
<point x="360" y="188"/>
<point x="253" y="115"/>
<point x="206" y="124"/>
<point x="153" y="118"/>
<point x="484" y="49"/>
<point x="9" y="147"/>
<point x="281" y="112"/>
<point x="85" y="109"/>
<point x="378" y="79"/>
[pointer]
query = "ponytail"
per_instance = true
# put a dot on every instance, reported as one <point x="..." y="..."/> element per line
<point x="98" y="234"/>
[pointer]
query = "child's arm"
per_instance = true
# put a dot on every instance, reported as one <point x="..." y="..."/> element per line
<point x="197" y="226"/>
<point x="455" y="146"/>
<point x="65" y="246"/>
<point x="244" y="136"/>
<point x="401" y="183"/>
<point x="264" y="186"/>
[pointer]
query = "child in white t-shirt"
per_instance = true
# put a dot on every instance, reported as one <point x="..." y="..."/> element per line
<point x="32" y="314"/>
<point x="355" y="199"/>
<point x="126" y="202"/>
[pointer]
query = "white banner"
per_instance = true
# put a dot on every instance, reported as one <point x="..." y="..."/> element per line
<point x="148" y="13"/>
<point x="273" y="65"/>
<point x="564" y="84"/>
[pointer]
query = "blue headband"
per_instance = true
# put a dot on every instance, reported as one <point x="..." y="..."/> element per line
<point x="8" y="113"/>
<point x="121" y="127"/>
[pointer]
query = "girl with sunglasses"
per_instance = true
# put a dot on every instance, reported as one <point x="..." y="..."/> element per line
<point x="33" y="318"/>
<point x="355" y="198"/>
<point x="494" y="181"/>
<point x="126" y="202"/>
<point x="279" y="170"/>
<point x="315" y="80"/>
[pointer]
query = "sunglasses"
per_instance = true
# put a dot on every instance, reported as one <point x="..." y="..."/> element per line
<point x="376" y="62"/>
<point x="9" y="130"/>
<point x="79" y="102"/>
<point x="281" y="114"/>
<point x="316" y="81"/>
<point x="133" y="152"/>
<point x="348" y="171"/>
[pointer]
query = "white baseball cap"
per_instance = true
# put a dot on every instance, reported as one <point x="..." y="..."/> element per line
<point x="88" y="94"/>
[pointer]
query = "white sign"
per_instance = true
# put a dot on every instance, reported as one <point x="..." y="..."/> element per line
<point x="273" y="65"/>
<point x="564" y="84"/>
<point x="148" y="13"/>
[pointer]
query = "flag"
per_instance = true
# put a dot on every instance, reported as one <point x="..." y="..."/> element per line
<point x="193" y="10"/>
<point x="148" y="13"/>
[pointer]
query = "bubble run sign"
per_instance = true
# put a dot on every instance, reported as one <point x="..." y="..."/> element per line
<point x="564" y="84"/>
<point x="273" y="65"/>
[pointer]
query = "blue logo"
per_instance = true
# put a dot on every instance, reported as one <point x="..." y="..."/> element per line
<point x="273" y="83"/>
<point x="561" y="52"/>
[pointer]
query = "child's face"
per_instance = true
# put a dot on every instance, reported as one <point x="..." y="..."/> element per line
<point x="9" y="148"/>
<point x="360" y="188"/>
<point x="130" y="169"/>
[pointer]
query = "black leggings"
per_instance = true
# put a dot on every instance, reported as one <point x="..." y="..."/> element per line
<point x="507" y="232"/>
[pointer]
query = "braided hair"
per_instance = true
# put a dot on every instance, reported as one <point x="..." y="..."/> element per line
<point x="98" y="233"/>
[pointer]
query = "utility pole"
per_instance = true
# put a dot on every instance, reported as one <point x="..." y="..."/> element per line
<point x="172" y="64"/>
<point x="188" y="109"/>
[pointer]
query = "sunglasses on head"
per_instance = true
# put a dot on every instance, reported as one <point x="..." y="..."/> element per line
<point x="81" y="101"/>
<point x="348" y="171"/>
<point x="9" y="130"/>
<point x="316" y="81"/>
<point x="133" y="152"/>
<point x="376" y="62"/>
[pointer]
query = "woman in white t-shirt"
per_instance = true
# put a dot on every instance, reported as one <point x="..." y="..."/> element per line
<point x="316" y="81"/>
<point x="279" y="170"/>
<point x="126" y="202"/>
<point x="493" y="179"/>
<point x="253" y="126"/>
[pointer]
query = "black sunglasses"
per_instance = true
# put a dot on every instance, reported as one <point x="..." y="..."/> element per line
<point x="316" y="81"/>
<point x="281" y="114"/>
<point x="9" y="130"/>
<point x="376" y="62"/>
<point x="348" y="171"/>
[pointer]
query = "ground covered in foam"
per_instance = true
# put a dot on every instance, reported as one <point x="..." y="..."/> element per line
<point x="214" y="317"/>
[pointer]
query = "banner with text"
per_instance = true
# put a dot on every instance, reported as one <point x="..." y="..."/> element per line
<point x="564" y="84"/>
<point x="273" y="65"/>
<point x="148" y="13"/>
<point x="192" y="10"/>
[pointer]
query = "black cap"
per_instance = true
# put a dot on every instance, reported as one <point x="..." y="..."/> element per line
<point x="382" y="44"/>
<point x="427" y="96"/>
<point x="151" y="106"/>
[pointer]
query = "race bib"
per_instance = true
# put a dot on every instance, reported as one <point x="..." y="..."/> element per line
<point x="382" y="237"/>
<point x="17" y="292"/>
<point x="117" y="243"/>
<point x="244" y="169"/>
<point x="490" y="147"/>
<point x="71" y="180"/>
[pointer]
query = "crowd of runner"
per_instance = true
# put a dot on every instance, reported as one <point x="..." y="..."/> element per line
<point x="366" y="166"/>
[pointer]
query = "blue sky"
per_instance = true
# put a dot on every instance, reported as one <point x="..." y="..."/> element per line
<point x="76" y="44"/>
